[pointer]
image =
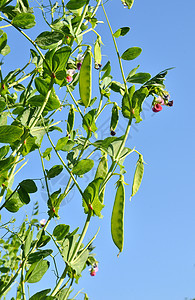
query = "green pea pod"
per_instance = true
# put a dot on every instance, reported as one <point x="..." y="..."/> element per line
<point x="70" y="122"/>
<point x="114" y="117"/>
<point x="101" y="172"/>
<point x="117" y="220"/>
<point x="139" y="171"/>
<point x="97" y="51"/>
<point x="85" y="79"/>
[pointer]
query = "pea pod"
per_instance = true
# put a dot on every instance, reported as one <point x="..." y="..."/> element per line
<point x="85" y="79"/>
<point x="97" y="51"/>
<point x="114" y="117"/>
<point x="139" y="171"/>
<point x="117" y="220"/>
<point x="70" y="122"/>
<point x="101" y="172"/>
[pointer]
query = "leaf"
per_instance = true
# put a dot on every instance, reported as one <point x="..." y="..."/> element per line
<point x="117" y="219"/>
<point x="38" y="255"/>
<point x="24" y="196"/>
<point x="60" y="58"/>
<point x="78" y="264"/>
<point x="117" y="87"/>
<point x="121" y="32"/>
<point x="139" y="171"/>
<point x="139" y="78"/>
<point x="24" y="20"/>
<point x="6" y="50"/>
<point x="61" y="144"/>
<point x="47" y="153"/>
<point x="10" y="133"/>
<point x="60" y="231"/>
<point x="83" y="166"/>
<point x="29" y="186"/>
<point x="63" y="294"/>
<point x="42" y="295"/>
<point x="131" y="53"/>
<point x="49" y="40"/>
<point x="91" y="197"/>
<point x="106" y="69"/>
<point x="14" y="203"/>
<point x="128" y="3"/>
<point x="38" y="100"/>
<point x="137" y="101"/>
<point x="36" y="271"/>
<point x="27" y="244"/>
<point x="127" y="103"/>
<point x="75" y="4"/>
<point x="54" y="171"/>
<point x="3" y="40"/>
<point x="4" y="151"/>
<point x="89" y="122"/>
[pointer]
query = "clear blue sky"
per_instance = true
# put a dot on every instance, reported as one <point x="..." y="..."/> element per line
<point x="158" y="261"/>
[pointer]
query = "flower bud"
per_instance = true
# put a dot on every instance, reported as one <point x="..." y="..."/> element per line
<point x="170" y="103"/>
<point x="79" y="64"/>
<point x="43" y="222"/>
<point x="112" y="132"/>
<point x="69" y="78"/>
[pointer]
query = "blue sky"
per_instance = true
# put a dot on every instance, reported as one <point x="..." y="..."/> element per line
<point x="158" y="261"/>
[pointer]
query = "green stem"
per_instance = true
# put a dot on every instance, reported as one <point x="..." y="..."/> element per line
<point x="58" y="285"/>
<point x="44" y="172"/>
<point x="94" y="12"/>
<point x="75" y="102"/>
<point x="82" y="18"/>
<point x="23" y="283"/>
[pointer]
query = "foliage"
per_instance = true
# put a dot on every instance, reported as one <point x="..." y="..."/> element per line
<point x="29" y="113"/>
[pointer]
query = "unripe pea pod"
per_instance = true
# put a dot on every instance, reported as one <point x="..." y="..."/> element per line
<point x="97" y="51"/>
<point x="139" y="171"/>
<point x="85" y="78"/>
<point x="117" y="219"/>
<point x="114" y="117"/>
<point x="70" y="122"/>
<point x="101" y="172"/>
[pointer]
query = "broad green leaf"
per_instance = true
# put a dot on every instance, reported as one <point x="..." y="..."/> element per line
<point x="131" y="53"/>
<point x="36" y="271"/>
<point x="137" y="100"/>
<point x="78" y="264"/>
<point x="61" y="144"/>
<point x="29" y="186"/>
<point x="10" y="133"/>
<point x="6" y="50"/>
<point x="121" y="32"/>
<point x="49" y="40"/>
<point x="47" y="153"/>
<point x="127" y="103"/>
<point x="24" y="196"/>
<point x="44" y="240"/>
<point x="60" y="231"/>
<point x="106" y="69"/>
<point x="6" y="163"/>
<point x="117" y="87"/>
<point x="139" y="78"/>
<point x="117" y="219"/>
<point x="85" y="79"/>
<point x="4" y="151"/>
<point x="54" y="171"/>
<point x="60" y="59"/>
<point x="63" y="294"/>
<point x="42" y="295"/>
<point x="38" y="100"/>
<point x="75" y="4"/>
<point x="13" y="203"/>
<point x="83" y="166"/>
<point x="89" y="122"/>
<point x="91" y="198"/>
<point x="128" y="3"/>
<point x="38" y="255"/>
<point x="139" y="171"/>
<point x="24" y="20"/>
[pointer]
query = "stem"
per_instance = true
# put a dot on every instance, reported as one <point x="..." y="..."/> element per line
<point x="75" y="102"/>
<point x="44" y="172"/>
<point x="23" y="283"/>
<point x="56" y="289"/>
<point x="82" y="18"/>
<point x="94" y="12"/>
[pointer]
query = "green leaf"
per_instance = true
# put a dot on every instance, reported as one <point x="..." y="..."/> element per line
<point x="106" y="69"/>
<point x="47" y="153"/>
<point x="38" y="100"/>
<point x="139" y="78"/>
<point x="137" y="100"/>
<point x="128" y="3"/>
<point x="4" y="151"/>
<point x="131" y="53"/>
<point x="75" y="4"/>
<point x="139" y="171"/>
<point x="27" y="244"/>
<point x="117" y="219"/>
<point x="49" y="40"/>
<point x="78" y="264"/>
<point x="36" y="271"/>
<point x="54" y="171"/>
<point x="83" y="166"/>
<point x="121" y="32"/>
<point x="10" y="133"/>
<point x="24" y="196"/>
<point x="63" y="294"/>
<point x="6" y="50"/>
<point x="89" y="122"/>
<point x="38" y="255"/>
<point x="61" y="144"/>
<point x="42" y="295"/>
<point x="127" y="103"/>
<point x="24" y="20"/>
<point x="29" y="186"/>
<point x="91" y="197"/>
<point x="60" y="231"/>
<point x="117" y="87"/>
<point x="3" y="40"/>
<point x="60" y="59"/>
<point x="14" y="203"/>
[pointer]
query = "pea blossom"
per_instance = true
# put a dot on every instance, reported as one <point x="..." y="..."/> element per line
<point x="70" y="74"/>
<point x="157" y="107"/>
<point x="80" y="58"/>
<point x="94" y="270"/>
<point x="43" y="222"/>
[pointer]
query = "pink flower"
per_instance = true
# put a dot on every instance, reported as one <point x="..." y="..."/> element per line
<point x="43" y="222"/>
<point x="157" y="107"/>
<point x="94" y="269"/>
<point x="160" y="100"/>
<point x="69" y="78"/>
<point x="93" y="273"/>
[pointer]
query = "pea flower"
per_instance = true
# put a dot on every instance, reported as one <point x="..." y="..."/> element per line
<point x="170" y="103"/>
<point x="43" y="222"/>
<point x="80" y="58"/>
<point x="70" y="73"/>
<point x="94" y="270"/>
<point x="160" y="100"/>
<point x="157" y="107"/>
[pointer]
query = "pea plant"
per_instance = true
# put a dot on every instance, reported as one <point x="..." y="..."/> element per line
<point x="64" y="56"/>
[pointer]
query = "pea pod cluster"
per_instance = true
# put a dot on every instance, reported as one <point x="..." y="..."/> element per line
<point x="85" y="79"/>
<point x="117" y="219"/>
